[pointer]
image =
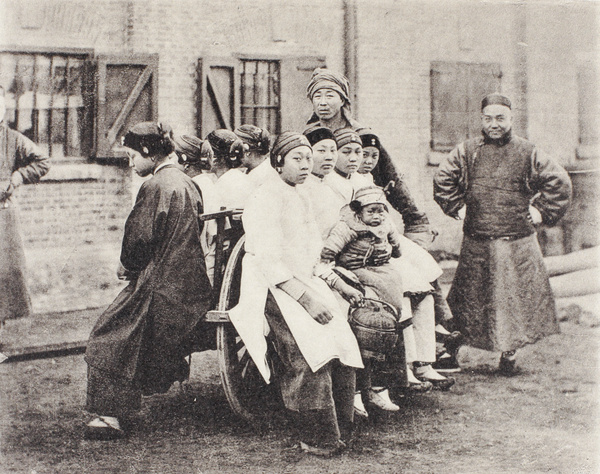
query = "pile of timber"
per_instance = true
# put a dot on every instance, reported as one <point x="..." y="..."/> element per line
<point x="575" y="274"/>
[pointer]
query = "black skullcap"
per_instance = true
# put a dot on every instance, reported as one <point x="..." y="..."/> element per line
<point x="285" y="143"/>
<point x="317" y="133"/>
<point x="368" y="138"/>
<point x="495" y="98"/>
<point x="192" y="149"/>
<point x="344" y="136"/>
<point x="149" y="139"/>
<point x="257" y="139"/>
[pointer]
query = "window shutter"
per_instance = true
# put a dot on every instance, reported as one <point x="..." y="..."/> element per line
<point x="483" y="79"/>
<point x="456" y="93"/>
<point x="448" y="105"/>
<point x="217" y="94"/>
<point x="127" y="93"/>
<point x="296" y="109"/>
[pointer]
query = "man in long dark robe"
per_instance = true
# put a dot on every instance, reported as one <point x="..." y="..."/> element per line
<point x="21" y="162"/>
<point x="138" y="345"/>
<point x="501" y="297"/>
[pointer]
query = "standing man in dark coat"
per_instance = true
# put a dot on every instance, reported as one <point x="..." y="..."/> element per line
<point x="21" y="162"/>
<point x="138" y="345"/>
<point x="501" y="297"/>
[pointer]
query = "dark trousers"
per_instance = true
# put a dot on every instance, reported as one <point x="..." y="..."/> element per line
<point x="321" y="402"/>
<point x="110" y="396"/>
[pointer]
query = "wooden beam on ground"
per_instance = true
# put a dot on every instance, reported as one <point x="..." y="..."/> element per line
<point x="46" y="351"/>
<point x="572" y="262"/>
<point x="583" y="282"/>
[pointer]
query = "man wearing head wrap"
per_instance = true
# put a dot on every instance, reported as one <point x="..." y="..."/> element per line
<point x="139" y="343"/>
<point x="330" y="95"/>
<point x="21" y="162"/>
<point x="501" y="296"/>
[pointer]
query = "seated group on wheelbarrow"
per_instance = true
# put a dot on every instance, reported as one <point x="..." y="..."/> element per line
<point x="139" y="344"/>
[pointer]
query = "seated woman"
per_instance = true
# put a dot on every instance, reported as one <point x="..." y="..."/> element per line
<point x="139" y="343"/>
<point x="196" y="157"/>
<point x="321" y="195"/>
<point x="421" y="235"/>
<point x="416" y="266"/>
<point x="311" y="335"/>
<point x="350" y="156"/>
<point x="232" y="182"/>
<point x="419" y="272"/>
<point x="256" y="162"/>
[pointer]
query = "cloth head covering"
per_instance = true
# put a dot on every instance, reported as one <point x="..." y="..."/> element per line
<point x="368" y="138"/>
<point x="344" y="136"/>
<point x="369" y="195"/>
<point x="149" y="139"/>
<point x="495" y="98"/>
<point x="191" y="149"/>
<point x="257" y="139"/>
<point x="317" y="133"/>
<point x="285" y="143"/>
<point x="326" y="79"/>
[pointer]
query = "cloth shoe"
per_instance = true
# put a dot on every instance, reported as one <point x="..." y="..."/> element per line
<point x="323" y="451"/>
<point x="508" y="363"/>
<point x="426" y="372"/>
<point x="416" y="385"/>
<point x="381" y="399"/>
<point x="446" y="363"/>
<point x="359" y="406"/>
<point x="104" y="428"/>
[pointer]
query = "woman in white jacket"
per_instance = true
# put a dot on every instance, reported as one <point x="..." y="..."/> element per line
<point x="310" y="333"/>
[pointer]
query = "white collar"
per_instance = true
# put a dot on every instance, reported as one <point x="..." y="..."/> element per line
<point x="161" y="166"/>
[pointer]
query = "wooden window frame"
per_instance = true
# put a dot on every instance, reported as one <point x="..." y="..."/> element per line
<point x="85" y="55"/>
<point x="467" y="71"/>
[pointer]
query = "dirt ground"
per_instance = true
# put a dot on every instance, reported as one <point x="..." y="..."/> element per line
<point x="543" y="420"/>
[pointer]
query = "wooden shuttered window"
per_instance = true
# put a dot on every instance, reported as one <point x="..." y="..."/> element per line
<point x="126" y="93"/>
<point x="49" y="98"/>
<point x="266" y="92"/>
<point x="456" y="92"/>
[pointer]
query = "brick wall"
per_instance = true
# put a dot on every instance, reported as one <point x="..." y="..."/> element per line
<point x="72" y="228"/>
<point x="72" y="222"/>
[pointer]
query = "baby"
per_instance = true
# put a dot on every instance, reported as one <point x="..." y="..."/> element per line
<point x="363" y="241"/>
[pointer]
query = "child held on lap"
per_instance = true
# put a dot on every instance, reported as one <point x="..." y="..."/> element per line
<point x="363" y="241"/>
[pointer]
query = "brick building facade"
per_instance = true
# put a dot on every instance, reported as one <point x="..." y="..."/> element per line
<point x="413" y="66"/>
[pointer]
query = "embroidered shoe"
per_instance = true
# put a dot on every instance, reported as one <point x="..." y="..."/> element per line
<point x="381" y="399"/>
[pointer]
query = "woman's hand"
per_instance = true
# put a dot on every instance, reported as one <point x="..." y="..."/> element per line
<point x="315" y="308"/>
<point x="349" y="293"/>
